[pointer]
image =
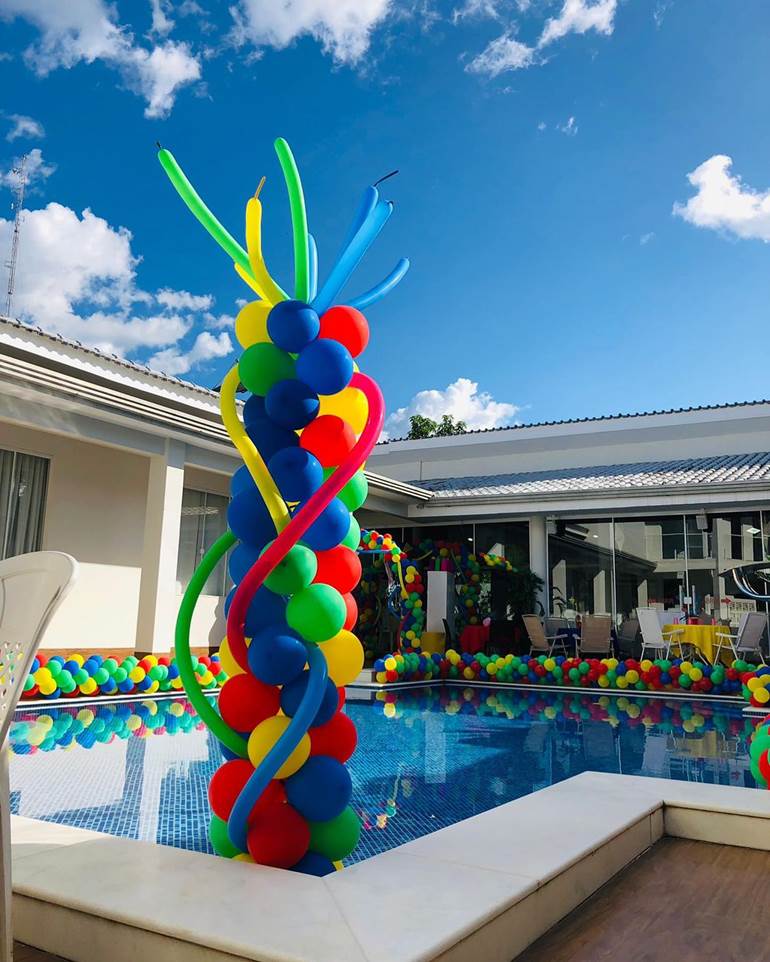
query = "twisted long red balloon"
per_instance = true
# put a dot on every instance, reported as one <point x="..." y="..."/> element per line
<point x="302" y="520"/>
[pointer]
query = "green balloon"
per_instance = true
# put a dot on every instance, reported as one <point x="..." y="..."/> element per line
<point x="293" y="572"/>
<point x="110" y="664"/>
<point x="317" y="612"/>
<point x="220" y="840"/>
<point x="353" y="538"/>
<point x="101" y="675"/>
<point x="54" y="667"/>
<point x="81" y="676"/>
<point x="119" y="675"/>
<point x="336" y="838"/>
<point x="263" y="365"/>
<point x="156" y="672"/>
<point x="355" y="491"/>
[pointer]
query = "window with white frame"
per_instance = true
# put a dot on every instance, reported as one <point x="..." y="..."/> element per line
<point x="23" y="486"/>
<point x="204" y="519"/>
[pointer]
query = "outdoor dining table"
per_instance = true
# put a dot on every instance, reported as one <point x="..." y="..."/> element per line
<point x="702" y="637"/>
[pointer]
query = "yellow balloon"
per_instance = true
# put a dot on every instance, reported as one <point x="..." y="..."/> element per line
<point x="78" y="659"/>
<point x="266" y="734"/>
<point x="229" y="665"/>
<point x="251" y="324"/>
<point x="350" y="405"/>
<point x="762" y="695"/>
<point x="243" y="857"/>
<point x="344" y="657"/>
<point x="88" y="687"/>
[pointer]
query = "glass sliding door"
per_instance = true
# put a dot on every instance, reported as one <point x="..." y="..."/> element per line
<point x="650" y="564"/>
<point x="580" y="567"/>
<point x="738" y="539"/>
<point x="508" y="539"/>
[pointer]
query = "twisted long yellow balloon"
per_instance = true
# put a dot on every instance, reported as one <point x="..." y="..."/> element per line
<point x="248" y="451"/>
<point x="263" y="282"/>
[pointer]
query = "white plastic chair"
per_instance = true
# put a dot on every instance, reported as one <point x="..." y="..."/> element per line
<point x="653" y="635"/>
<point x="31" y="588"/>
<point x="747" y="640"/>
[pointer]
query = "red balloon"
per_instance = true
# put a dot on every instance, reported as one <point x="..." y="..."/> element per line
<point x="336" y="738"/>
<point x="329" y="438"/>
<point x="244" y="702"/>
<point x="351" y="609"/>
<point x="227" y="784"/>
<point x="339" y="567"/>
<point x="279" y="837"/>
<point x="346" y="325"/>
<point x="764" y="766"/>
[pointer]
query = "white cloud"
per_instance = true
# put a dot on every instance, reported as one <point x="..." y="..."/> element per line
<point x="184" y="300"/>
<point x="205" y="348"/>
<point x="578" y="16"/>
<point x="462" y="400"/>
<point x="74" y="31"/>
<point x="23" y="126"/>
<point x="35" y="170"/>
<point x="477" y="8"/>
<point x="542" y="125"/>
<point x="501" y="54"/>
<point x="723" y="202"/>
<point x="569" y="128"/>
<point x="645" y="239"/>
<point x="161" y="22"/>
<point x="77" y="277"/>
<point x="342" y="27"/>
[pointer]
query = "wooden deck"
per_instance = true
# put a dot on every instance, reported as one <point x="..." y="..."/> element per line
<point x="681" y="902"/>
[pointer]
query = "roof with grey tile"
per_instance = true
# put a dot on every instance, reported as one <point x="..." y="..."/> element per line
<point x="725" y="469"/>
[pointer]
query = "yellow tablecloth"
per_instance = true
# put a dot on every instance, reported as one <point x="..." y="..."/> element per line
<point x="702" y="636"/>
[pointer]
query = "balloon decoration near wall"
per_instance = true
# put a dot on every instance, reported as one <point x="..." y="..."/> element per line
<point x="759" y="753"/>
<point x="311" y="418"/>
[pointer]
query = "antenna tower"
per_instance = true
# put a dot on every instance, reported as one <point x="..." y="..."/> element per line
<point x="20" y="172"/>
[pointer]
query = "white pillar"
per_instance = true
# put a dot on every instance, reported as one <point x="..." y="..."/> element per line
<point x="538" y="556"/>
<point x="158" y="599"/>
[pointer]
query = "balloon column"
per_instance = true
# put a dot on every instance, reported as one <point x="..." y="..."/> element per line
<point x="310" y="421"/>
<point x="759" y="753"/>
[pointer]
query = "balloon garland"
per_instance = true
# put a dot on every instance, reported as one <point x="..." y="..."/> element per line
<point x="77" y="676"/>
<point x="311" y="419"/>
<point x="385" y="553"/>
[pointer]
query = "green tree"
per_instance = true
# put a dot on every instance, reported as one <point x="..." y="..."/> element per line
<point x="422" y="427"/>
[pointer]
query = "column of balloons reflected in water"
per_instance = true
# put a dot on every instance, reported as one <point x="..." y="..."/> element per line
<point x="282" y="796"/>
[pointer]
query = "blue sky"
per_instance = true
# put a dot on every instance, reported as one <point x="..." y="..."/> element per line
<point x="584" y="187"/>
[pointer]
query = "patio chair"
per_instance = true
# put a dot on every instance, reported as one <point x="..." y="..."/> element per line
<point x="31" y="589"/>
<point x="628" y="645"/>
<point x="538" y="640"/>
<point x="747" y="640"/>
<point x="653" y="635"/>
<point x="596" y="636"/>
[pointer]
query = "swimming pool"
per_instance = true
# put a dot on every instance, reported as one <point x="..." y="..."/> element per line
<point x="426" y="757"/>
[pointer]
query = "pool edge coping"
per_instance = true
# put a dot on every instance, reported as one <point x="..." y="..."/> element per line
<point x="642" y="810"/>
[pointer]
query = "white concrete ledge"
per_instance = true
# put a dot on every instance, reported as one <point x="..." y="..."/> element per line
<point x="480" y="890"/>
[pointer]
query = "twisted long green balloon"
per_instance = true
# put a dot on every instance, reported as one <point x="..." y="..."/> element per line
<point x="298" y="219"/>
<point x="193" y="200"/>
<point x="213" y="721"/>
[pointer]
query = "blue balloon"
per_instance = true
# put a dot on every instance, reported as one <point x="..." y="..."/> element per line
<point x="270" y="437"/>
<point x="291" y="404"/>
<point x="292" y="325"/>
<point x="321" y="789"/>
<point x="313" y="864"/>
<point x="250" y="520"/>
<point x="329" y="528"/>
<point x="276" y="655"/>
<point x="242" y="481"/>
<point x="297" y="473"/>
<point x="240" y="560"/>
<point x="292" y="694"/>
<point x="326" y="366"/>
<point x="253" y="409"/>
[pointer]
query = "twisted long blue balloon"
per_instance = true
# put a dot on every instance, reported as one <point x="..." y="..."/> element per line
<point x="237" y="824"/>
<point x="385" y="286"/>
<point x="351" y="256"/>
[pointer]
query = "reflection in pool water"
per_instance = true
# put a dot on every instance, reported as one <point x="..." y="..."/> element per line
<point x="427" y="757"/>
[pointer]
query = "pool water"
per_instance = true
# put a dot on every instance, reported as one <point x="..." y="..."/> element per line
<point x="426" y="757"/>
